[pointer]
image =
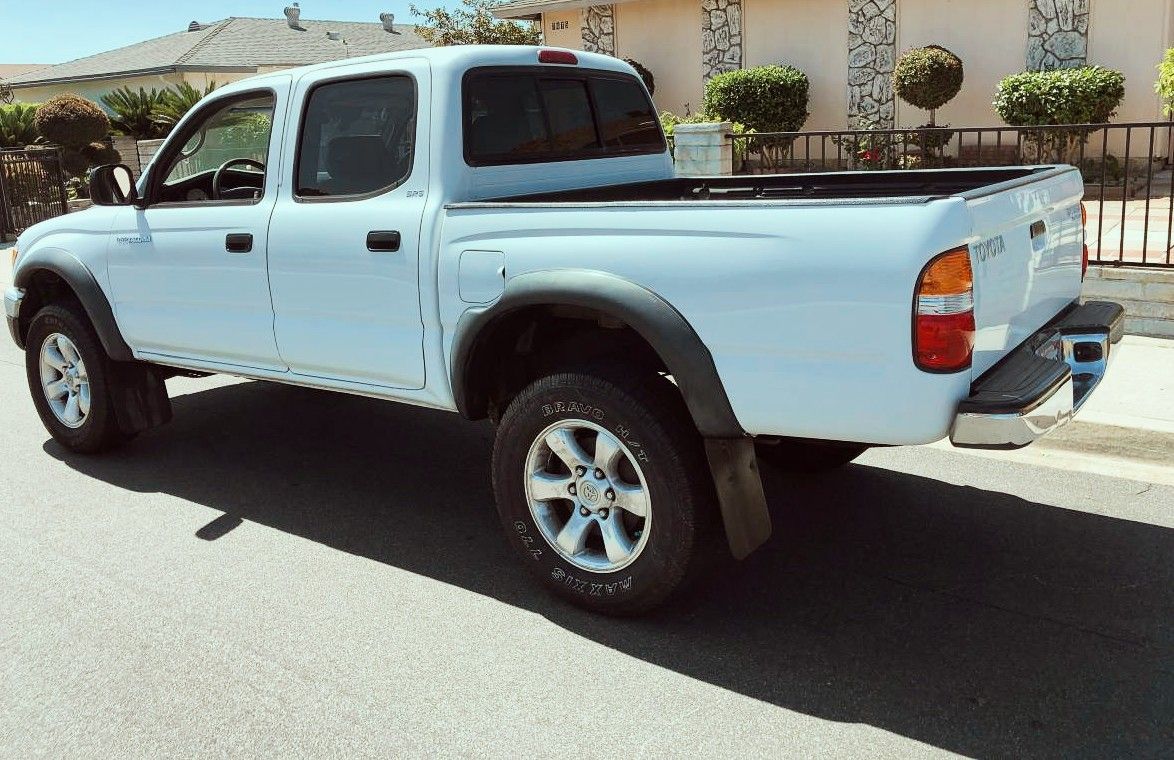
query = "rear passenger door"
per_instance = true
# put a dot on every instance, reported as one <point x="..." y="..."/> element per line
<point x="344" y="240"/>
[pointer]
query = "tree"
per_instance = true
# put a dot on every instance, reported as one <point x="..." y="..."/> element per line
<point x="134" y="112"/>
<point x="473" y="24"/>
<point x="176" y="102"/>
<point x="17" y="125"/>
<point x="80" y="127"/>
<point x="928" y="78"/>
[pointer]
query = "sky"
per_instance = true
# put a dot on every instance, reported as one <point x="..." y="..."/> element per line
<point x="61" y="30"/>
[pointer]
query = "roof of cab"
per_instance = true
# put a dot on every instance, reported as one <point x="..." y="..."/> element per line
<point x="452" y="59"/>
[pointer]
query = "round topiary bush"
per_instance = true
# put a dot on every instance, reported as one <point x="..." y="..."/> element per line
<point x="645" y="74"/>
<point x="928" y="78"/>
<point x="72" y="122"/>
<point x="764" y="98"/>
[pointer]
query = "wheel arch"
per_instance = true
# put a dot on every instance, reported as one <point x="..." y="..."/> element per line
<point x="50" y="273"/>
<point x="729" y="450"/>
<point x="653" y="319"/>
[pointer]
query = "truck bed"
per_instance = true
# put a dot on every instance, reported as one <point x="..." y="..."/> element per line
<point x="825" y="186"/>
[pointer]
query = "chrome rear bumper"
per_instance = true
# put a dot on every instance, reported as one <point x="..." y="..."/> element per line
<point x="1041" y="385"/>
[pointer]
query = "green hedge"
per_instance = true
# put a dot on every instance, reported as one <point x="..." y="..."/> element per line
<point x="1087" y="95"/>
<point x="764" y="98"/>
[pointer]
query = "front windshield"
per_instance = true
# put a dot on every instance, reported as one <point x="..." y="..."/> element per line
<point x="239" y="130"/>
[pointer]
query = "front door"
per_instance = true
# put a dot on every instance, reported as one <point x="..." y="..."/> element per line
<point x="345" y="239"/>
<point x="188" y="271"/>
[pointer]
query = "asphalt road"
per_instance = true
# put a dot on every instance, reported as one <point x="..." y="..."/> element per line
<point x="289" y="571"/>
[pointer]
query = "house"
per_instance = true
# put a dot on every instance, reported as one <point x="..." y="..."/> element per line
<point x="224" y="51"/>
<point x="847" y="47"/>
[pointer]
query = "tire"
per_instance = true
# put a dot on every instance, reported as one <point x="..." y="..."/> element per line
<point x="806" y="456"/>
<point x="62" y="332"/>
<point x="656" y="501"/>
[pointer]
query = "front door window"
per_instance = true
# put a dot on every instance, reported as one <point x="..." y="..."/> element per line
<point x="224" y="155"/>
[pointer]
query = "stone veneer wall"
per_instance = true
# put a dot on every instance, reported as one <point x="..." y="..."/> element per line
<point x="1057" y="34"/>
<point x="721" y="36"/>
<point x="598" y="24"/>
<point x="872" y="52"/>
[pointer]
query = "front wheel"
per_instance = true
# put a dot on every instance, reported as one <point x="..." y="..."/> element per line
<point x="70" y="378"/>
<point x="602" y="486"/>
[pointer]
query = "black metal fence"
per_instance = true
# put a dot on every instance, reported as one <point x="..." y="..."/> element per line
<point x="1126" y="169"/>
<point x="32" y="188"/>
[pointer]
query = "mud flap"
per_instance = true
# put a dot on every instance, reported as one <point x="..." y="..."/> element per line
<point x="739" y="493"/>
<point x="139" y="396"/>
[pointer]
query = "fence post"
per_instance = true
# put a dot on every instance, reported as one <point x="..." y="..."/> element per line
<point x="3" y="200"/>
<point x="704" y="150"/>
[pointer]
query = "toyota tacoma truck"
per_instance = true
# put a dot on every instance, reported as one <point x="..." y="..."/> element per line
<point x="499" y="232"/>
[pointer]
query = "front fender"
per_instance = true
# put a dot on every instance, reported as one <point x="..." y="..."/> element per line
<point x="81" y="280"/>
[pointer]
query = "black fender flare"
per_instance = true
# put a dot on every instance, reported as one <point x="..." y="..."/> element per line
<point x="81" y="280"/>
<point x="653" y="318"/>
<point x="728" y="448"/>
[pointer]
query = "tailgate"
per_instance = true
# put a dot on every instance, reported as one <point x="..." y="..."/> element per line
<point x="1026" y="254"/>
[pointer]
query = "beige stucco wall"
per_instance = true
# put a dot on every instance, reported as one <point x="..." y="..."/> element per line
<point x="93" y="90"/>
<point x="991" y="43"/>
<point x="811" y="35"/>
<point x="1130" y="36"/>
<point x="570" y="37"/>
<point x="989" y="35"/>
<point x="672" y="52"/>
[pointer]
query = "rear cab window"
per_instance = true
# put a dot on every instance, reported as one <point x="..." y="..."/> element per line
<point x="528" y="115"/>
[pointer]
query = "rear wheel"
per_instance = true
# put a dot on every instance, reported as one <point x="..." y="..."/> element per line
<point x="793" y="455"/>
<point x="69" y="376"/>
<point x="602" y="487"/>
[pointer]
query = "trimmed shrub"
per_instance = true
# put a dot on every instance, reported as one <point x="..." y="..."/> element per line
<point x="1165" y="84"/>
<point x="764" y="98"/>
<point x="645" y="74"/>
<point x="71" y="122"/>
<point x="1086" y="95"/>
<point x="928" y="78"/>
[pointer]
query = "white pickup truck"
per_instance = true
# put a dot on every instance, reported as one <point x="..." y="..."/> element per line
<point x="498" y="231"/>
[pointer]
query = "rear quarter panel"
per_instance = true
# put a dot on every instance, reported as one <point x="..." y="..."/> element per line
<point x="805" y="306"/>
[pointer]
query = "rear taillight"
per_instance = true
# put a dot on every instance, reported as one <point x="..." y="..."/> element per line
<point x="1084" y="234"/>
<point x="943" y="314"/>
<point x="557" y="56"/>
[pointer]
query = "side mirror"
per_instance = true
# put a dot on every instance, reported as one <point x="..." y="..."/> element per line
<point x="112" y="185"/>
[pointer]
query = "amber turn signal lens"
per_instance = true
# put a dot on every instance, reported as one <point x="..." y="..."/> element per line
<point x="943" y="314"/>
<point x="948" y="275"/>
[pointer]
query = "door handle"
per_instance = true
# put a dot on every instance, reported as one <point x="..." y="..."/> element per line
<point x="383" y="240"/>
<point x="238" y="242"/>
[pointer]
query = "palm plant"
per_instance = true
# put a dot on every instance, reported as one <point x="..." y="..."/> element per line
<point x="17" y="125"/>
<point x="134" y="112"/>
<point x="176" y="102"/>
